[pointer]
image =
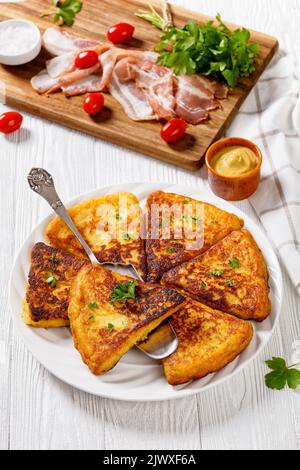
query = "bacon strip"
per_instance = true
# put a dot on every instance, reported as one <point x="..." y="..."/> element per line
<point x="42" y="82"/>
<point x="125" y="90"/>
<point x="62" y="64"/>
<point x="158" y="82"/>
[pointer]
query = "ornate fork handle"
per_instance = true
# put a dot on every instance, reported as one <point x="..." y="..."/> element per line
<point x="41" y="182"/>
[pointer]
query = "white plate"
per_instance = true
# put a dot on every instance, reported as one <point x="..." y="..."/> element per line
<point x="136" y="377"/>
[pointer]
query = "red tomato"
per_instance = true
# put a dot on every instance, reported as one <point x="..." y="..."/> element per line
<point x="173" y="130"/>
<point x="93" y="103"/>
<point x="121" y="32"/>
<point x="10" y="122"/>
<point x="86" y="59"/>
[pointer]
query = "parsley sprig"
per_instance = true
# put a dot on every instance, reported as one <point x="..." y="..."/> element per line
<point x="209" y="50"/>
<point x="64" y="11"/>
<point x="282" y="374"/>
<point x="123" y="290"/>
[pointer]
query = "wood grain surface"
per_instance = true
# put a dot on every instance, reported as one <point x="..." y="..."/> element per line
<point x="37" y="411"/>
<point x="113" y="124"/>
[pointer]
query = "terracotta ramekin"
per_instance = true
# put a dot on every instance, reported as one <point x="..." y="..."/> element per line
<point x="234" y="188"/>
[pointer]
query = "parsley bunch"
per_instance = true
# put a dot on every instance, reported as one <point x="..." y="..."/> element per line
<point x="209" y="50"/>
<point x="64" y="11"/>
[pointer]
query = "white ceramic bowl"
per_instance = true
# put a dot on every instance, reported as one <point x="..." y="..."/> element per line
<point x="29" y="53"/>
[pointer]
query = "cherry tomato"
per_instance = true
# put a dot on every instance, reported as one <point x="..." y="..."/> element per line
<point x="10" y="122"/>
<point x="86" y="59"/>
<point x="93" y="103"/>
<point x="173" y="130"/>
<point x="121" y="32"/>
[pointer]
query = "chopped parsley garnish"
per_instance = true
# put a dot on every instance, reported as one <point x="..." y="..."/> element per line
<point x="51" y="280"/>
<point x="123" y="290"/>
<point x="217" y="272"/>
<point x="53" y="259"/>
<point x="235" y="263"/>
<point x="91" y="318"/>
<point x="209" y="50"/>
<point x="118" y="216"/>
<point x="126" y="237"/>
<point x="152" y="17"/>
<point x="170" y="250"/>
<point x="92" y="305"/>
<point x="203" y="285"/>
<point x="282" y="374"/>
<point x="229" y="283"/>
<point x="110" y="327"/>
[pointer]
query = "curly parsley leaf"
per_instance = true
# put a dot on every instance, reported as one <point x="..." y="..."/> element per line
<point x="209" y="50"/>
<point x="64" y="11"/>
<point x="282" y="375"/>
<point x="123" y="290"/>
<point x="110" y="327"/>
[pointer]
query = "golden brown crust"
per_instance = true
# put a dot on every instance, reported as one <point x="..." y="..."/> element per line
<point x="92" y="218"/>
<point x="91" y="311"/>
<point x="246" y="296"/>
<point x="208" y="341"/>
<point x="163" y="254"/>
<point x="47" y="306"/>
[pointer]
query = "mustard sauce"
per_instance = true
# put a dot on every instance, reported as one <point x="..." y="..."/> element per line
<point x="234" y="161"/>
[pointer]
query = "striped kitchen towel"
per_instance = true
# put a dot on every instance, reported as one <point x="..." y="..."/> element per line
<point x="271" y="117"/>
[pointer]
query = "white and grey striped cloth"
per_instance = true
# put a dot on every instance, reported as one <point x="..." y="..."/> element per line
<point x="271" y="117"/>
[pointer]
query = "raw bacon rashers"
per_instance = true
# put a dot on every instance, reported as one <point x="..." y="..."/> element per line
<point x="145" y="90"/>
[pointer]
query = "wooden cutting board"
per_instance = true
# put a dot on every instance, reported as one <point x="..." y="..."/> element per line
<point x="113" y="124"/>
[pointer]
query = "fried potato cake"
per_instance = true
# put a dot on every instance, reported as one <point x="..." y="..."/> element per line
<point x="208" y="341"/>
<point x="111" y="226"/>
<point x="47" y="296"/>
<point x="231" y="276"/>
<point x="180" y="228"/>
<point x="110" y="313"/>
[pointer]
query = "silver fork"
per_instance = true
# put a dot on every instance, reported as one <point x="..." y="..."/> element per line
<point x="163" y="341"/>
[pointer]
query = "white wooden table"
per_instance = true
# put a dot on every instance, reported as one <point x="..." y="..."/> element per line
<point x="37" y="411"/>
